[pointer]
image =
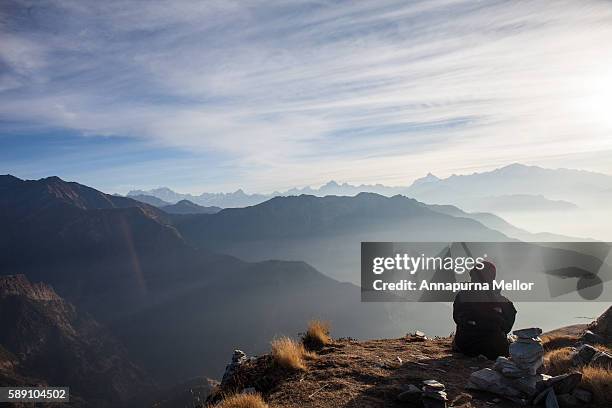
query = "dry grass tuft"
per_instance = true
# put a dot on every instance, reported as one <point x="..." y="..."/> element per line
<point x="317" y="335"/>
<point x="553" y="342"/>
<point x="243" y="401"/>
<point x="290" y="354"/>
<point x="558" y="361"/>
<point x="598" y="380"/>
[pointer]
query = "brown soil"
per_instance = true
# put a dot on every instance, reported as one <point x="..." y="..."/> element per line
<point x="371" y="373"/>
<point x="368" y="374"/>
<point x="575" y="330"/>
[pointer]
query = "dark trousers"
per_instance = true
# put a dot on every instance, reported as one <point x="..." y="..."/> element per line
<point x="491" y="344"/>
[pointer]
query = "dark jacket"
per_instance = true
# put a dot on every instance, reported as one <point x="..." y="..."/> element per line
<point x="483" y="321"/>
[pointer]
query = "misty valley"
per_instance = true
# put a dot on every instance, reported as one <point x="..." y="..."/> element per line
<point x="143" y="298"/>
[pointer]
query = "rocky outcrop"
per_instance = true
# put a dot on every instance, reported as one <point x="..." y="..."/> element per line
<point x="239" y="357"/>
<point x="603" y="325"/>
<point x="18" y="285"/>
<point x="518" y="379"/>
<point x="527" y="351"/>
<point x="45" y="340"/>
<point x="585" y="354"/>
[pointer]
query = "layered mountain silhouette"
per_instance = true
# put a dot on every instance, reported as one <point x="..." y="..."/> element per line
<point x="187" y="207"/>
<point x="178" y="309"/>
<point x="45" y="340"/>
<point x="149" y="199"/>
<point x="522" y="202"/>
<point x="497" y="223"/>
<point x="181" y="207"/>
<point x="241" y="199"/>
<point x="514" y="186"/>
<point x="327" y="231"/>
<point x="536" y="199"/>
<point x="237" y="198"/>
<point x="171" y="290"/>
<point x="531" y="186"/>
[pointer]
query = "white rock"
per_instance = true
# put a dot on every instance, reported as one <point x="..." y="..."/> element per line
<point x="492" y="381"/>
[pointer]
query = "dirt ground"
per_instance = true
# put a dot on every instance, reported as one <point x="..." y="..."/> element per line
<point x="368" y="374"/>
<point x="371" y="373"/>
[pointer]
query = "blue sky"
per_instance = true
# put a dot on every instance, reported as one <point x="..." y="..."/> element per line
<point x="218" y="95"/>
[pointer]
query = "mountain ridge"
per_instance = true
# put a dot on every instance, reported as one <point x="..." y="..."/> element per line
<point x="332" y="187"/>
<point x="326" y="231"/>
<point x="51" y="342"/>
<point x="131" y="269"/>
<point x="188" y="207"/>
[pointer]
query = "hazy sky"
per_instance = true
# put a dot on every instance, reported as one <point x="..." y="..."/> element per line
<point x="268" y="95"/>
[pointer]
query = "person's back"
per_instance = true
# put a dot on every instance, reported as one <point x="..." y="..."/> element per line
<point x="483" y="318"/>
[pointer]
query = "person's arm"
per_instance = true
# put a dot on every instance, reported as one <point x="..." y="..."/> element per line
<point x="509" y="312"/>
<point x="458" y="309"/>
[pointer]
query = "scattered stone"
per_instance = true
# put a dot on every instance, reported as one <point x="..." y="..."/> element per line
<point x="416" y="336"/>
<point x="528" y="340"/>
<point x="568" y="401"/>
<point x="564" y="383"/>
<point x="551" y="400"/>
<point x="523" y="402"/>
<point x="439" y="395"/>
<point x="541" y="396"/>
<point x="433" y="403"/>
<point x="515" y="378"/>
<point x="603" y="325"/>
<point x="434" y="395"/>
<point x="527" y="356"/>
<point x="461" y="399"/>
<point x="411" y="394"/>
<point x="531" y="384"/>
<point x="492" y="381"/>
<point x="528" y="333"/>
<point x="508" y="368"/>
<point x="584" y="354"/>
<point x="496" y="400"/>
<point x="582" y="395"/>
<point x="434" y="385"/>
<point x="239" y="357"/>
<point x="592" y="338"/>
<point x="602" y="359"/>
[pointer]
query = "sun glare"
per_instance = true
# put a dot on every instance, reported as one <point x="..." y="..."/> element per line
<point x="594" y="101"/>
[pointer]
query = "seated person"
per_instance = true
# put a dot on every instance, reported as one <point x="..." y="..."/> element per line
<point x="483" y="318"/>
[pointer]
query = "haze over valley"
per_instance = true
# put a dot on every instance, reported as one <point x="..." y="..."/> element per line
<point x="132" y="265"/>
<point x="186" y="184"/>
<point x="567" y="202"/>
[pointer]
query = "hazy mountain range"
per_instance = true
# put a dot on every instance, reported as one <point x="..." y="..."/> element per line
<point x="180" y="207"/>
<point x="177" y="308"/>
<point x="570" y="202"/>
<point x="527" y="182"/>
<point x="513" y="186"/>
<point x="176" y="293"/>
<point x="241" y="199"/>
<point x="326" y="231"/>
<point x="187" y="207"/>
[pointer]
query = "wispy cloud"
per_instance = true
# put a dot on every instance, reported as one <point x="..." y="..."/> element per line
<point x="298" y="92"/>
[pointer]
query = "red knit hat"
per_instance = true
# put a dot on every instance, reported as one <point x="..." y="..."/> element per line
<point x="486" y="274"/>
